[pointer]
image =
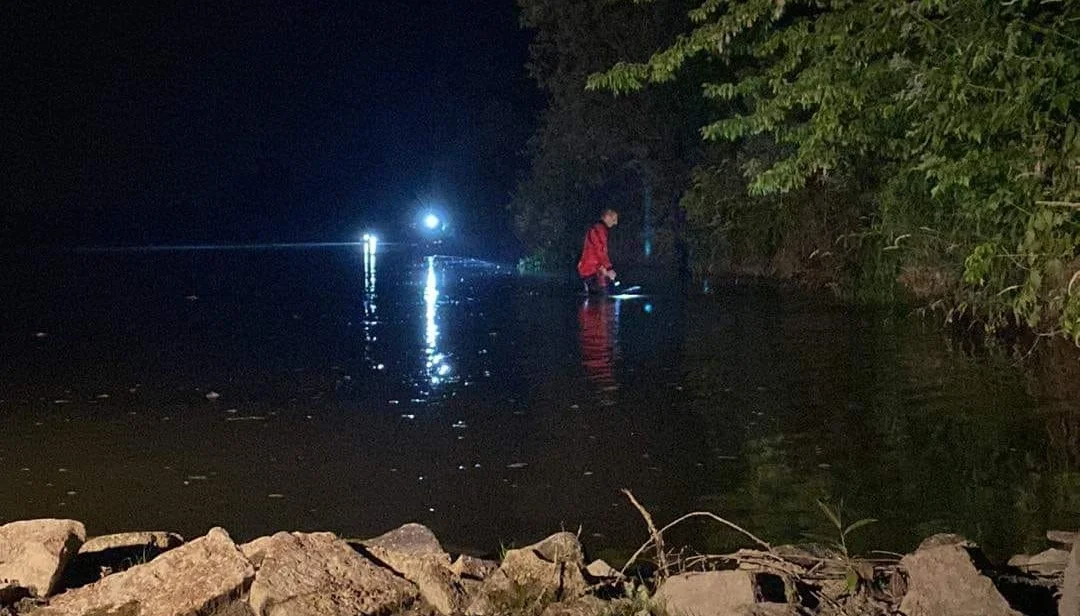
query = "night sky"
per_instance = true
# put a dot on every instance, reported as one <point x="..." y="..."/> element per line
<point x="141" y="123"/>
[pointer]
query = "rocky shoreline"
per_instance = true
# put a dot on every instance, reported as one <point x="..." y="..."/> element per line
<point x="49" y="568"/>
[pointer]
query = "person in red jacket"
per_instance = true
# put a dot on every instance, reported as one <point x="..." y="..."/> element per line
<point x="594" y="267"/>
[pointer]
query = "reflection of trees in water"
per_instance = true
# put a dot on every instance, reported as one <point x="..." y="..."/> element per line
<point x="890" y="420"/>
<point x="598" y="334"/>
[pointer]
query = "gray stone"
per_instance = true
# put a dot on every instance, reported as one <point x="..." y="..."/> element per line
<point x="205" y="575"/>
<point x="412" y="538"/>
<point x="33" y="554"/>
<point x="414" y="552"/>
<point x="1069" y="603"/>
<point x="943" y="581"/>
<point x="545" y="572"/>
<point x="709" y="593"/>
<point x="318" y="574"/>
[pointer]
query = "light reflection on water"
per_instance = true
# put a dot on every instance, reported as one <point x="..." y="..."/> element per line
<point x="436" y="366"/>
<point x="598" y="320"/>
<point x="537" y="407"/>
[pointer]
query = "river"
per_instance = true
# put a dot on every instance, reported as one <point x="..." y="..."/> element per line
<point x="335" y="389"/>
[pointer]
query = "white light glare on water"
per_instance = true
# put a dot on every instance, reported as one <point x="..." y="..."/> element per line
<point x="437" y="368"/>
<point x="431" y="221"/>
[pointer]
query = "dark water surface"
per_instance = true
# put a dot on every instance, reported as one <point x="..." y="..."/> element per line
<point x="316" y="389"/>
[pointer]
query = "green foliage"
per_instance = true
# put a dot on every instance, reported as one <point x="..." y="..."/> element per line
<point x="834" y="515"/>
<point x="961" y="113"/>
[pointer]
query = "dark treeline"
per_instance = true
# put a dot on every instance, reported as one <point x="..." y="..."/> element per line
<point x="922" y="151"/>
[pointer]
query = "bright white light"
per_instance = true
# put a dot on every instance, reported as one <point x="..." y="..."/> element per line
<point x="431" y="221"/>
<point x="431" y="299"/>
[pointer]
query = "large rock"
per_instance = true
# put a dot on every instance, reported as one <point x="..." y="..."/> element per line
<point x="414" y="552"/>
<point x="600" y="570"/>
<point x="943" y="581"/>
<point x="1046" y="563"/>
<point x="107" y="554"/>
<point x="1069" y="603"/>
<point x="255" y="550"/>
<point x="318" y="574"/>
<point x="540" y="574"/>
<point x="473" y="568"/>
<point x="33" y="554"/>
<point x="205" y="575"/>
<point x="1063" y="537"/>
<point x="151" y="540"/>
<point x="709" y="593"/>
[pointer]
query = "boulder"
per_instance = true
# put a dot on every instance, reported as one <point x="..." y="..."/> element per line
<point x="601" y="570"/>
<point x="155" y="540"/>
<point x="708" y="593"/>
<point x="1046" y="563"/>
<point x="414" y="539"/>
<point x="33" y="554"/>
<point x="255" y="550"/>
<point x="537" y="575"/>
<point x="1069" y="603"/>
<point x="471" y="567"/>
<point x="318" y="574"/>
<point x="414" y="552"/>
<point x="1063" y="537"/>
<point x="943" y="581"/>
<point x="107" y="554"/>
<point x="205" y="575"/>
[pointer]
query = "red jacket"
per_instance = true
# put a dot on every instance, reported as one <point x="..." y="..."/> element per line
<point x="594" y="254"/>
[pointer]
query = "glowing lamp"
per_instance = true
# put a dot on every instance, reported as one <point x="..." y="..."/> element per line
<point x="431" y="221"/>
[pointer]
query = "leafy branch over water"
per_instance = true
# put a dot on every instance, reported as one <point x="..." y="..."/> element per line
<point x="961" y="114"/>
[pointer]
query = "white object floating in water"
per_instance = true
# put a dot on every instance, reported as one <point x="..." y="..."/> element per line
<point x="41" y="335"/>
<point x="246" y="418"/>
<point x="517" y="465"/>
<point x="213" y="395"/>
<point x="275" y="496"/>
<point x="191" y="298"/>
<point x="62" y="401"/>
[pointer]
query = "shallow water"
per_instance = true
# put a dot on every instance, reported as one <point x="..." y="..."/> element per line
<point x="323" y="389"/>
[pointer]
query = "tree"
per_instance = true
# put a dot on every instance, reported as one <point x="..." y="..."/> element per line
<point x="592" y="151"/>
<point x="962" y="113"/>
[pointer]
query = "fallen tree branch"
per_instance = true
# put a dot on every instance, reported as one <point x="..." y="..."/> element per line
<point x="657" y="535"/>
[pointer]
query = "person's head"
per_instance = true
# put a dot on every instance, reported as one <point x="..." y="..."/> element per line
<point x="609" y="217"/>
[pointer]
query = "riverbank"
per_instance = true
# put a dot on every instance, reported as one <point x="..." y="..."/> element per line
<point x="48" y="568"/>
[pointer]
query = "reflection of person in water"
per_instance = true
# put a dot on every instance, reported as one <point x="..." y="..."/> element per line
<point x="598" y="323"/>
